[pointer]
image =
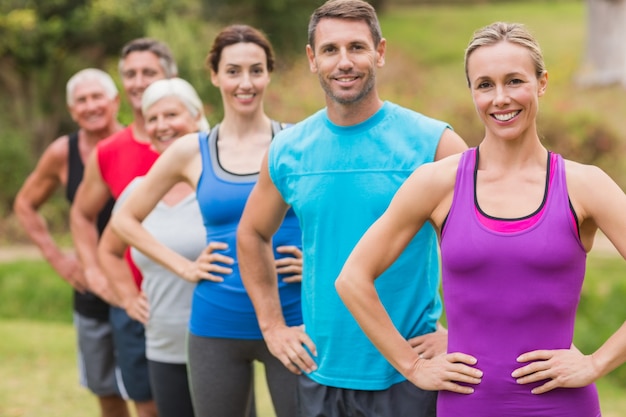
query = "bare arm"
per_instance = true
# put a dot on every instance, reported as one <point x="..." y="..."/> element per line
<point x="181" y="162"/>
<point x="48" y="176"/>
<point x="263" y="215"/>
<point x="599" y="203"/>
<point x="91" y="197"/>
<point x="111" y="257"/>
<point x="449" y="144"/>
<point x="425" y="196"/>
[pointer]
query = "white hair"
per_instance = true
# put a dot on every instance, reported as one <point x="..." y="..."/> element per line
<point x="90" y="74"/>
<point x="181" y="89"/>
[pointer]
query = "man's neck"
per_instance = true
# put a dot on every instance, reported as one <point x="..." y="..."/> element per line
<point x="139" y="128"/>
<point x="94" y="136"/>
<point x="353" y="113"/>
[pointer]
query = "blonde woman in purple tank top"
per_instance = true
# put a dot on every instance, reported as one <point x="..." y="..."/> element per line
<point x="515" y="223"/>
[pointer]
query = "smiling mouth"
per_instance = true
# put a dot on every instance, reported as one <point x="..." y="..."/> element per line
<point x="505" y="117"/>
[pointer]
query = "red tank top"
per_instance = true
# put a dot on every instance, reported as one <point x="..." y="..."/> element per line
<point x="121" y="158"/>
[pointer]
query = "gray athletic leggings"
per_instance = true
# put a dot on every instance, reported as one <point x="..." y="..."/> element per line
<point x="222" y="378"/>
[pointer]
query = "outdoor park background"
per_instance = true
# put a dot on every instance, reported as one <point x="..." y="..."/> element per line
<point x="423" y="71"/>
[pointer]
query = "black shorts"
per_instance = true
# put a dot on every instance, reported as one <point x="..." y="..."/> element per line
<point x="400" y="400"/>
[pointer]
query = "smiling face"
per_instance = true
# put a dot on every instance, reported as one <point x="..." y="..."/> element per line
<point x="242" y="77"/>
<point x="345" y="59"/>
<point x="139" y="69"/>
<point x="167" y="120"/>
<point x="92" y="107"/>
<point x="505" y="89"/>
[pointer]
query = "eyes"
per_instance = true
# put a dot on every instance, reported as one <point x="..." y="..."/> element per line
<point x="165" y="116"/>
<point x="486" y="84"/>
<point x="331" y="49"/>
<point x="235" y="71"/>
<point x="91" y="97"/>
<point x="146" y="72"/>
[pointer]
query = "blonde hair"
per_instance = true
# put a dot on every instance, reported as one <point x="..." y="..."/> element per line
<point x="182" y="90"/>
<point x="515" y="33"/>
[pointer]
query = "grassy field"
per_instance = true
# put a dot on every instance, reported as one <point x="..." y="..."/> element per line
<point x="38" y="369"/>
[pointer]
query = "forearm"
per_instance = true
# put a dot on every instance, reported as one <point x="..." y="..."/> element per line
<point x="85" y="235"/>
<point x="612" y="353"/>
<point x="363" y="302"/>
<point x="37" y="230"/>
<point x="258" y="273"/>
<point x="119" y="275"/>
<point x="131" y="231"/>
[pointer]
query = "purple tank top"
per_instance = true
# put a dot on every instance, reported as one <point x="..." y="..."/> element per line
<point x="508" y="291"/>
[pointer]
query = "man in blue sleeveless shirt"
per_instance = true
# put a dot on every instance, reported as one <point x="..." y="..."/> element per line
<point x="338" y="170"/>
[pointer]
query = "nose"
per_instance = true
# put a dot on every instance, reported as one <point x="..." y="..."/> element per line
<point x="91" y="104"/>
<point x="345" y="63"/>
<point x="245" y="80"/>
<point x="161" y="123"/>
<point x="501" y="96"/>
<point x="139" y="80"/>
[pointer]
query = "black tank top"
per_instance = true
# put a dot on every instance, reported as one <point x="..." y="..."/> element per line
<point x="87" y="304"/>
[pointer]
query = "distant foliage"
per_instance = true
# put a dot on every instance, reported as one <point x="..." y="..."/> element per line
<point x="17" y="163"/>
<point x="284" y="21"/>
<point x="42" y="43"/>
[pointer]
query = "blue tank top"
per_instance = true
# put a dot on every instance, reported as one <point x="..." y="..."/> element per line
<point x="511" y="290"/>
<point x="339" y="180"/>
<point x="223" y="309"/>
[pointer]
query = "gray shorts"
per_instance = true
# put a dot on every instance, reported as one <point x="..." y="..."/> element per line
<point x="96" y="355"/>
<point x="400" y="400"/>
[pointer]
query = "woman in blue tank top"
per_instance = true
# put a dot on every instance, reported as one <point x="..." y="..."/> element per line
<point x="515" y="223"/>
<point x="224" y="337"/>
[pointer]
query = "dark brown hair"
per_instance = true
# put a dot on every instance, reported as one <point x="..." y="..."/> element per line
<point x="233" y="34"/>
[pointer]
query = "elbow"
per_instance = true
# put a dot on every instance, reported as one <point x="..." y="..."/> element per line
<point x="343" y="286"/>
<point x="21" y="208"/>
<point x="77" y="218"/>
<point x="114" y="224"/>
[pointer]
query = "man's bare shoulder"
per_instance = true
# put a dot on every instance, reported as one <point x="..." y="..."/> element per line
<point x="56" y="155"/>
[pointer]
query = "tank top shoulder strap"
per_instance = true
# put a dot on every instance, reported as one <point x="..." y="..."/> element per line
<point x="463" y="199"/>
<point x="466" y="175"/>
<point x="75" y="167"/>
<point x="277" y="127"/>
<point x="203" y="140"/>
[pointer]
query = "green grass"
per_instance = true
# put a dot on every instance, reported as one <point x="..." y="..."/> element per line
<point x="40" y="377"/>
<point x="38" y="371"/>
<point x="38" y="368"/>
<point x="32" y="290"/>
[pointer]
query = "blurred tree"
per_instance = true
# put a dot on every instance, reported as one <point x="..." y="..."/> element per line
<point x="43" y="42"/>
<point x="284" y="21"/>
<point x="605" y="61"/>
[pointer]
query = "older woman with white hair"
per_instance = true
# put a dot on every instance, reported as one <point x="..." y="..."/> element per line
<point x="171" y="109"/>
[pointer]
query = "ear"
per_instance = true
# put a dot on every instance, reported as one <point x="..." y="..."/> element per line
<point x="214" y="79"/>
<point x="311" y="56"/>
<point x="543" y="84"/>
<point x="380" y="52"/>
<point x="116" y="104"/>
<point x="70" y="110"/>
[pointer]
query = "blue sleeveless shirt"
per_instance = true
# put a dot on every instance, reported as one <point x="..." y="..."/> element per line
<point x="223" y="309"/>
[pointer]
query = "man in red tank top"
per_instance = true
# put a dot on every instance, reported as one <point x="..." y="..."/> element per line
<point x="115" y="162"/>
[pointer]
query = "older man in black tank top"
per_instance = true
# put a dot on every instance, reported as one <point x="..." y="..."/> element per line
<point x="93" y="102"/>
